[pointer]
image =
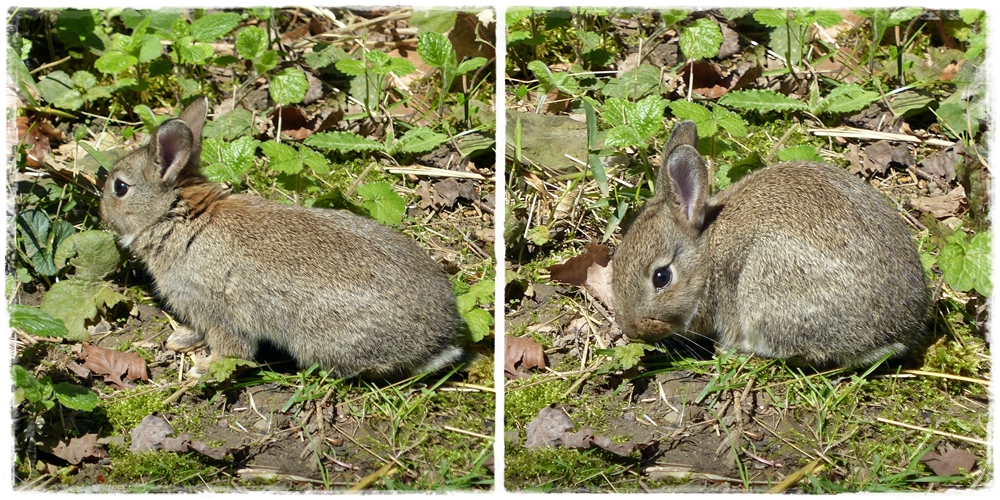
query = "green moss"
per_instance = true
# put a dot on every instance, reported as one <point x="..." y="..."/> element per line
<point x="561" y="469"/>
<point x="161" y="468"/>
<point x="125" y="411"/>
<point x="521" y="406"/>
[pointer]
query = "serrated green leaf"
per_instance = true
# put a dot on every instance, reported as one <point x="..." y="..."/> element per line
<point x="84" y="79"/>
<point x="700" y="115"/>
<point x="289" y="86"/>
<point x="732" y="122"/>
<point x="401" y="67"/>
<point x="903" y="15"/>
<point x="673" y="16"/>
<point x="383" y="203"/>
<point x="35" y="321"/>
<point x="54" y="87"/>
<point x="646" y="116"/>
<point x="436" y="20"/>
<point x="323" y="56"/>
<point x="434" y="49"/>
<point x="479" y="322"/>
<point x="75" y="300"/>
<point x="824" y="18"/>
<point x="75" y="397"/>
<point x="802" y="152"/>
<point x="701" y="39"/>
<point x="213" y="26"/>
<point x="350" y="67"/>
<point x="470" y="65"/>
<point x="623" y="136"/>
<point x="634" y="84"/>
<point x="539" y="235"/>
<point x="29" y="385"/>
<point x="970" y="16"/>
<point x="966" y="264"/>
<point x="419" y="140"/>
<point x="314" y="160"/>
<point x="251" y="42"/>
<point x="193" y="53"/>
<point x="41" y="238"/>
<point x="222" y="369"/>
<point x="93" y="253"/>
<point x="342" y="142"/>
<point x="772" y="18"/>
<point x="549" y="80"/>
<point x="228" y="162"/>
<point x="761" y="100"/>
<point x="282" y="158"/>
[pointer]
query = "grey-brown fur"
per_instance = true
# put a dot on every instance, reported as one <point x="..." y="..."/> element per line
<point x="798" y="260"/>
<point x="327" y="286"/>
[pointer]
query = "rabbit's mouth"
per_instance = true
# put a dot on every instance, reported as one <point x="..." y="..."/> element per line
<point x="653" y="329"/>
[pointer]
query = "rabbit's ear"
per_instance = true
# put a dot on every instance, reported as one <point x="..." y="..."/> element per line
<point x="194" y="115"/>
<point x="686" y="176"/>
<point x="172" y="147"/>
<point x="685" y="133"/>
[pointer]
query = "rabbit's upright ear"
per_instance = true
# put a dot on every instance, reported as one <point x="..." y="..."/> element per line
<point x="686" y="132"/>
<point x="177" y="143"/>
<point x="685" y="176"/>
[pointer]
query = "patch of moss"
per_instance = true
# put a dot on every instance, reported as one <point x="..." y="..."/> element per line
<point x="562" y="469"/>
<point x="157" y="467"/>
<point x="125" y="411"/>
<point x="521" y="406"/>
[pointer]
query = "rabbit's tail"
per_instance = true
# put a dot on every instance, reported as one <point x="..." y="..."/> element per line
<point x="450" y="355"/>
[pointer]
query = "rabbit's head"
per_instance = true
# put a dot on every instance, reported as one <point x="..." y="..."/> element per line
<point x="142" y="187"/>
<point x="661" y="264"/>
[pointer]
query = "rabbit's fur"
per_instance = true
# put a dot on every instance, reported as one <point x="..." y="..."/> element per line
<point x="800" y="261"/>
<point x="327" y="286"/>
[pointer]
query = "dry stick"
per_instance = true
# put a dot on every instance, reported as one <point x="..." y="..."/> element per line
<point x="435" y="172"/>
<point x="386" y="470"/>
<point x="467" y="433"/>
<point x="774" y="149"/>
<point x="793" y="478"/>
<point x="180" y="392"/>
<point x="949" y="376"/>
<point x="857" y="133"/>
<point x="932" y="431"/>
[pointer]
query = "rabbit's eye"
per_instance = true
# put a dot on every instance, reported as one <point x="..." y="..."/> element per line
<point x="662" y="277"/>
<point x="120" y="188"/>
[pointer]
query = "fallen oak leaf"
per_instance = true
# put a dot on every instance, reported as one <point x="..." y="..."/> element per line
<point x="547" y="428"/>
<point x="150" y="433"/>
<point x="585" y="439"/>
<point x="113" y="364"/>
<point x="79" y="449"/>
<point x="523" y="350"/>
<point x="949" y="463"/>
<point x="574" y="270"/>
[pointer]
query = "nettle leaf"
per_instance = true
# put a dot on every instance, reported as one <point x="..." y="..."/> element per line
<point x="966" y="264"/>
<point x="772" y="18"/>
<point x="350" y="67"/>
<point x="732" y="122"/>
<point x="115" y="62"/>
<point x="701" y="39"/>
<point x="228" y="162"/>
<point x="673" y="16"/>
<point x="343" y="142"/>
<point x="700" y="115"/>
<point x="282" y="158"/>
<point x="75" y="397"/>
<point x="57" y="89"/>
<point x="849" y="98"/>
<point x="822" y="17"/>
<point x="635" y="83"/>
<point x="437" y="20"/>
<point x="251" y="42"/>
<point x="401" y="67"/>
<point x="211" y="27"/>
<point x="230" y="126"/>
<point x="761" y="100"/>
<point x="802" y="152"/>
<point x="42" y="238"/>
<point x="84" y="79"/>
<point x="646" y="116"/>
<point x="470" y="65"/>
<point x="383" y="203"/>
<point x="377" y="58"/>
<point x="900" y="16"/>
<point x="289" y="86"/>
<point x="419" y="140"/>
<point x="479" y="322"/>
<point x="27" y="383"/>
<point x="314" y="160"/>
<point x="35" y="321"/>
<point x="150" y="49"/>
<point x="93" y="253"/>
<point x="434" y="49"/>
<point x="193" y="53"/>
<point x="76" y="300"/>
<point x="623" y="136"/>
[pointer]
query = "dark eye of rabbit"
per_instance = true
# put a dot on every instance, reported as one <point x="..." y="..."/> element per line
<point x="662" y="277"/>
<point x="120" y="188"/>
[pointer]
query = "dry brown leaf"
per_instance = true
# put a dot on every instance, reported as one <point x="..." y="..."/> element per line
<point x="882" y="154"/>
<point x="547" y="428"/>
<point x="150" y="433"/>
<point x="113" y="364"/>
<point x="941" y="207"/>
<point x="524" y="351"/>
<point x="450" y="190"/>
<point x="585" y="439"/>
<point x="574" y="271"/>
<point x="79" y="449"/>
<point x="949" y="463"/>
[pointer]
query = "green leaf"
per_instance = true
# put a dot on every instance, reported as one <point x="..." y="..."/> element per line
<point x="383" y="203"/>
<point x="966" y="264"/>
<point x="436" y="20"/>
<point x="772" y="18"/>
<point x="419" y="140"/>
<point x="75" y="397"/>
<point x="549" y="80"/>
<point x="673" y="16"/>
<point x="479" y="322"/>
<point x="623" y="136"/>
<point x="342" y="142"/>
<point x="732" y="122"/>
<point x="289" y="86"/>
<point x="470" y="65"/>
<point x="802" y="152"/>
<point x="434" y="49"/>
<point x="75" y="300"/>
<point x="314" y="160"/>
<point x="57" y="89"/>
<point x="267" y="62"/>
<point x="231" y="126"/>
<point x="701" y="39"/>
<point x="35" y="321"/>
<point x="251" y="42"/>
<point x="401" y="67"/>
<point x="228" y="162"/>
<point x="93" y="253"/>
<point x="539" y="235"/>
<point x="282" y="158"/>
<point x="629" y="355"/>
<point x="193" y="53"/>
<point x="970" y="16"/>
<point x="41" y="238"/>
<point x="646" y="116"/>
<point x="211" y="27"/>
<point x="700" y="115"/>
<point x="824" y="18"/>
<point x="27" y="383"/>
<point x="903" y="15"/>
<point x="761" y="100"/>
<point x="634" y="84"/>
<point x="222" y="369"/>
<point x="84" y="79"/>
<point x="350" y="67"/>
<point x="849" y="98"/>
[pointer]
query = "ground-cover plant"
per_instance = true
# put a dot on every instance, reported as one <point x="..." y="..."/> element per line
<point x="91" y="84"/>
<point x="762" y="86"/>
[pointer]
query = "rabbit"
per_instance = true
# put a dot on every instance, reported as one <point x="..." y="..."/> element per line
<point x="799" y="261"/>
<point x="327" y="286"/>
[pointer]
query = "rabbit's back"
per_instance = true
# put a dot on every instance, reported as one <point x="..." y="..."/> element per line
<point x="809" y="262"/>
<point x="327" y="286"/>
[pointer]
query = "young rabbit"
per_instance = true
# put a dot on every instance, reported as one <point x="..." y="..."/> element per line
<point x="800" y="260"/>
<point x="327" y="286"/>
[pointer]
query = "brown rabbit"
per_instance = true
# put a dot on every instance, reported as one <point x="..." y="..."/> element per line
<point x="799" y="260"/>
<point x="327" y="286"/>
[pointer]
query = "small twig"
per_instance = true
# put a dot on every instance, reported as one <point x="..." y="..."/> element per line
<point x="949" y="376"/>
<point x="386" y="470"/>
<point x="932" y="431"/>
<point x="793" y="478"/>
<point x="467" y="433"/>
<point x="180" y="392"/>
<point x="49" y="65"/>
<point x="857" y="133"/>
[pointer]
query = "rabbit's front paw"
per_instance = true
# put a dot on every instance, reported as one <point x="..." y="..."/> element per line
<point x="184" y="339"/>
